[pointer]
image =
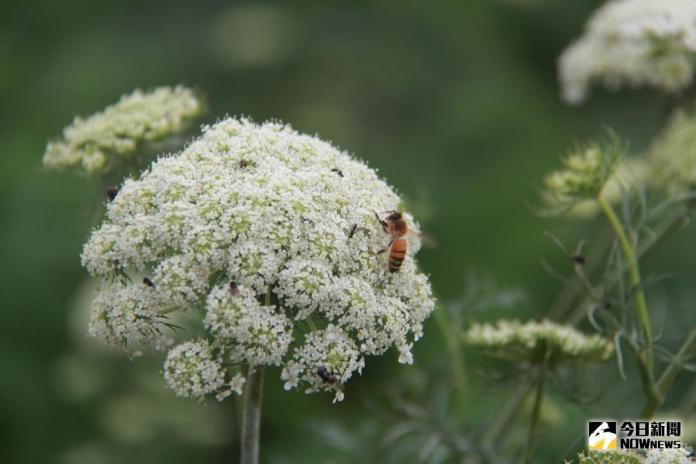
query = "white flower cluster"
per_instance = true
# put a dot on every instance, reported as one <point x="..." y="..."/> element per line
<point x="129" y="316"/>
<point x="333" y="351"/>
<point x="514" y="340"/>
<point x="632" y="42"/>
<point x="271" y="234"/>
<point x="193" y="370"/>
<point x="672" y="157"/>
<point x="668" y="456"/>
<point x="106" y="138"/>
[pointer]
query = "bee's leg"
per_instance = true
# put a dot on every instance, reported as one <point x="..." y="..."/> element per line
<point x="382" y="222"/>
<point x="385" y="248"/>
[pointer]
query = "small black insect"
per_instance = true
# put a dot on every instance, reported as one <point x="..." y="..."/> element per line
<point x="579" y="259"/>
<point x="111" y="193"/>
<point x="337" y="171"/>
<point x="352" y="231"/>
<point x="234" y="290"/>
<point x="148" y="282"/>
<point x="243" y="164"/>
<point x="326" y="376"/>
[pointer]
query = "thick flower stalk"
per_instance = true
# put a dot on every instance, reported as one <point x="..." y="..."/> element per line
<point x="633" y="43"/>
<point x="99" y="143"/>
<point x="539" y="342"/>
<point x="255" y="246"/>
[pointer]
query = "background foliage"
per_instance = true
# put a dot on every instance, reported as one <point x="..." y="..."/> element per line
<point x="456" y="103"/>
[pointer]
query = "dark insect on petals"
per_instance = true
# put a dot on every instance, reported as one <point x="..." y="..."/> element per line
<point x="234" y="290"/>
<point x="326" y="376"/>
<point x="148" y="282"/>
<point x="111" y="193"/>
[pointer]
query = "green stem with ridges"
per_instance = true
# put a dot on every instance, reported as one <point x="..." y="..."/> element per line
<point x="641" y="307"/>
<point x="251" y="416"/>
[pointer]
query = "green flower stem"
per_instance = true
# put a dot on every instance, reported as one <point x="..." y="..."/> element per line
<point x="640" y="305"/>
<point x="251" y="419"/>
<point x="569" y="307"/>
<point x="536" y="410"/>
<point x="504" y="419"/>
<point x="454" y="348"/>
<point x="572" y="293"/>
<point x="669" y="375"/>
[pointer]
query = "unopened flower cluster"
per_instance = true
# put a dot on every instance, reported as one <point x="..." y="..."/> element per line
<point x="100" y="141"/>
<point x="585" y="173"/>
<point x="634" y="43"/>
<point x="532" y="341"/>
<point x="262" y="243"/>
<point x="629" y="175"/>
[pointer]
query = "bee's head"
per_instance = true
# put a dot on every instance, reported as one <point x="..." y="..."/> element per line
<point x="394" y="216"/>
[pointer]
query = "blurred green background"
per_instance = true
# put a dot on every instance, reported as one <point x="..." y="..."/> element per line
<point x="455" y="102"/>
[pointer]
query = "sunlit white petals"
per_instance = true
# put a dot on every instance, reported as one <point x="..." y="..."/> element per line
<point x="270" y="235"/>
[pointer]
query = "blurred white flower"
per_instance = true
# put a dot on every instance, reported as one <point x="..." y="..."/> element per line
<point x="270" y="234"/>
<point x="672" y="157"/>
<point x="635" y="43"/>
<point x="104" y="139"/>
<point x="668" y="456"/>
<point x="531" y="341"/>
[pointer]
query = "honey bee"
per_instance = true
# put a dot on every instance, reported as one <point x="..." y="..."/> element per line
<point x="396" y="226"/>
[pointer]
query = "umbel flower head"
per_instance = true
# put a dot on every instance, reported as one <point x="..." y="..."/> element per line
<point x="263" y="242"/>
<point x="585" y="173"/>
<point x="534" y="341"/>
<point x="672" y="158"/>
<point x="101" y="141"/>
<point x="635" y="43"/>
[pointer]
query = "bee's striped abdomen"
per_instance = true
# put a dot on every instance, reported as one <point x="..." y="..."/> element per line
<point x="397" y="253"/>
